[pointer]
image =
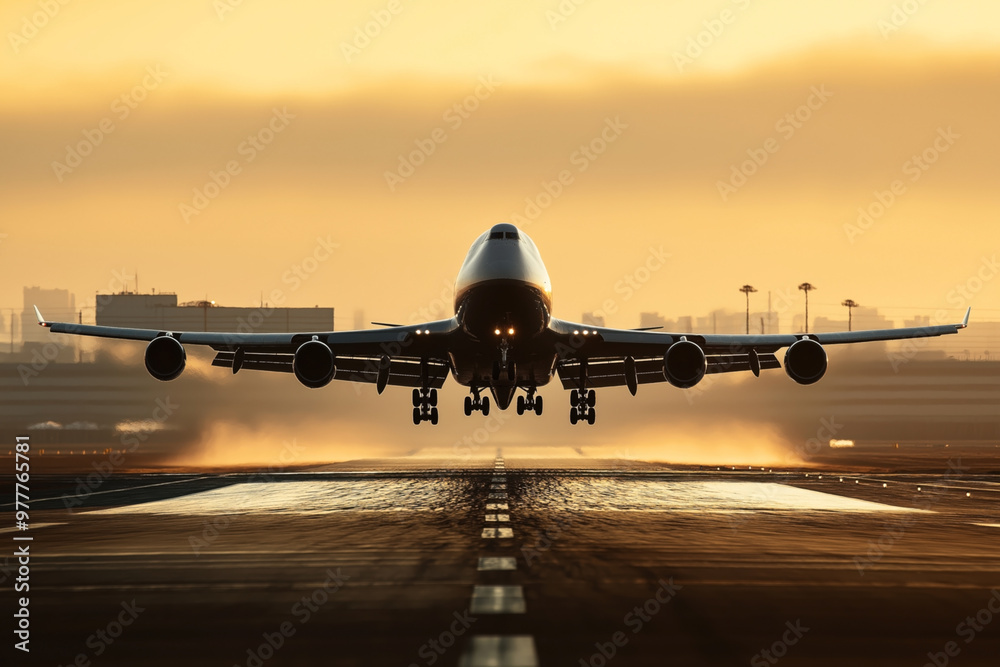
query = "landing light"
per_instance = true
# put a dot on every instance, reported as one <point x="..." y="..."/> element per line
<point x="510" y="332"/>
<point x="497" y="332"/>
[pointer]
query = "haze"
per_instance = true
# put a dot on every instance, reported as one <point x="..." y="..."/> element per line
<point x="218" y="76"/>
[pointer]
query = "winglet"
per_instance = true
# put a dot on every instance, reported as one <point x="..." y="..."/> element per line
<point x="41" y="320"/>
<point x="965" y="321"/>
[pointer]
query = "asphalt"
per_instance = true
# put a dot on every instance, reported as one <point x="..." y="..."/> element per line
<point x="515" y="562"/>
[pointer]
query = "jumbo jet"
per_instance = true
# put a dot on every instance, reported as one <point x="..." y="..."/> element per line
<point x="502" y="338"/>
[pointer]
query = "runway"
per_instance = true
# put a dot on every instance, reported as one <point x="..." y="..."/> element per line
<point x="518" y="562"/>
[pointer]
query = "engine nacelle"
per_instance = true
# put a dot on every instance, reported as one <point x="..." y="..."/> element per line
<point x="684" y="364"/>
<point x="165" y="358"/>
<point x="805" y="361"/>
<point x="313" y="364"/>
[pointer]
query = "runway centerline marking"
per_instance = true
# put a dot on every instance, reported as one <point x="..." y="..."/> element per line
<point x="500" y="651"/>
<point x="496" y="506"/>
<point x="492" y="563"/>
<point x="498" y="600"/>
<point x="495" y="533"/>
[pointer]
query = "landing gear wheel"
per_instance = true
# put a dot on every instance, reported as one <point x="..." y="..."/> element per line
<point x="574" y="397"/>
<point x="520" y="405"/>
<point x="591" y="415"/>
<point x="434" y="416"/>
<point x="434" y="397"/>
<point x="416" y="398"/>
<point x="538" y="405"/>
<point x="486" y="406"/>
<point x="591" y="399"/>
<point x="416" y="416"/>
<point x="574" y="415"/>
<point x="468" y="406"/>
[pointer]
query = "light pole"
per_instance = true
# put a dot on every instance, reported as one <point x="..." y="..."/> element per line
<point x="807" y="287"/>
<point x="851" y="304"/>
<point x="747" y="289"/>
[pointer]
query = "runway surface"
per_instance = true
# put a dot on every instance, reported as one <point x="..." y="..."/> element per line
<point x="517" y="562"/>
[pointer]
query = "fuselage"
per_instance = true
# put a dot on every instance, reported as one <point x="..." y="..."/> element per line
<point x="503" y="302"/>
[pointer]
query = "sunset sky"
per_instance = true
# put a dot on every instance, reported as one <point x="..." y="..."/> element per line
<point x="171" y="93"/>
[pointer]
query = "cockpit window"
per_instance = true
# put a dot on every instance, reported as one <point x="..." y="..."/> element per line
<point x="511" y="235"/>
<point x="496" y="235"/>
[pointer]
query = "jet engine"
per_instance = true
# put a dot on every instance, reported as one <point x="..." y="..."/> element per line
<point x="165" y="358"/>
<point x="313" y="364"/>
<point x="805" y="361"/>
<point x="684" y="364"/>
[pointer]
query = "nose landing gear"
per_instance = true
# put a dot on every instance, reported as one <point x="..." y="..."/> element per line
<point x="425" y="405"/>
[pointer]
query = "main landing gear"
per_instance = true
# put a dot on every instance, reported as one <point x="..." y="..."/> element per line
<point x="529" y="403"/>
<point x="582" y="406"/>
<point x="425" y="405"/>
<point x="475" y="402"/>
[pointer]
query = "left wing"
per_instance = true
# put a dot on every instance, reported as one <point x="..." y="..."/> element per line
<point x="603" y="357"/>
<point x="411" y="356"/>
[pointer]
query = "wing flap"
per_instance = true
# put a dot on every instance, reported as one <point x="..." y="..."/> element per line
<point x="611" y="372"/>
<point x="402" y="372"/>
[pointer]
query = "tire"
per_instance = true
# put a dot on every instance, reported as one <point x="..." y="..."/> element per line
<point x="434" y="416"/>
<point x="591" y="398"/>
<point x="520" y="405"/>
<point x="486" y="406"/>
<point x="416" y="398"/>
<point x="468" y="406"/>
<point x="574" y="397"/>
<point x="434" y="396"/>
<point x="591" y="416"/>
<point x="416" y="416"/>
<point x="538" y="405"/>
<point x="573" y="416"/>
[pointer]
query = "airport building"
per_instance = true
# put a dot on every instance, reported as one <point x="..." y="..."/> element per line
<point x="162" y="312"/>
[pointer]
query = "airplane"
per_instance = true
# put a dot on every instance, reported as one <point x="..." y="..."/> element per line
<point x="502" y="338"/>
